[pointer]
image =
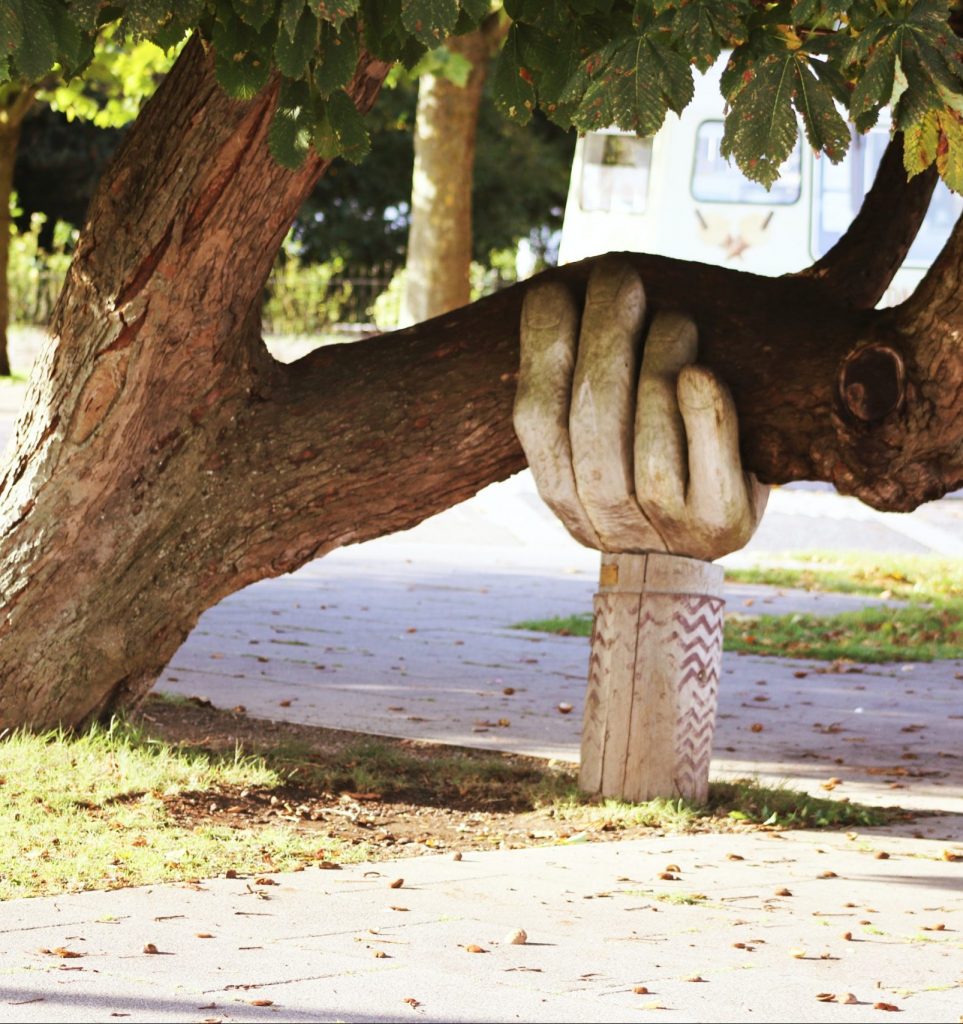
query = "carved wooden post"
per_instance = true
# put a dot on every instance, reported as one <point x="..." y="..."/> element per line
<point x="653" y="677"/>
<point x="636" y="449"/>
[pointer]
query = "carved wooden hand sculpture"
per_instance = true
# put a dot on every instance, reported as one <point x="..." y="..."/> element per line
<point x="637" y="450"/>
<point x="630" y="459"/>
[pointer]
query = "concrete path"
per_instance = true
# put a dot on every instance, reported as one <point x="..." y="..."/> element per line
<point x="751" y="927"/>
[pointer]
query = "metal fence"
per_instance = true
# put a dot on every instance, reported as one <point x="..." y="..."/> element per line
<point x="305" y="304"/>
<point x="313" y="303"/>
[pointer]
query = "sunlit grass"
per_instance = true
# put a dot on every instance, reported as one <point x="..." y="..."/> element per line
<point x="92" y="811"/>
<point x="87" y="811"/>
<point x="928" y="627"/>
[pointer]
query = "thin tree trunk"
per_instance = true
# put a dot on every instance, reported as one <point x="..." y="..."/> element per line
<point x="164" y="460"/>
<point x="15" y="105"/>
<point x="438" y="267"/>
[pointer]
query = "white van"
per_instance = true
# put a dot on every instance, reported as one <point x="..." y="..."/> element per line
<point x="675" y="195"/>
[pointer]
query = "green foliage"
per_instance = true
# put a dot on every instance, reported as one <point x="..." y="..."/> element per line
<point x="304" y="298"/>
<point x="115" y="83"/>
<point x="585" y="63"/>
<point x="35" y="276"/>
<point x="360" y="214"/>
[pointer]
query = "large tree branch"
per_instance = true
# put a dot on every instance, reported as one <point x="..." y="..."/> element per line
<point x="165" y="460"/>
<point x="859" y="268"/>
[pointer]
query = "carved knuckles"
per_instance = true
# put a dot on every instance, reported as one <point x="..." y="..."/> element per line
<point x="633" y="449"/>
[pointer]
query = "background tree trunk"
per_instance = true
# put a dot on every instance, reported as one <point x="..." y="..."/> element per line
<point x="164" y="460"/>
<point x="15" y="101"/>
<point x="438" y="267"/>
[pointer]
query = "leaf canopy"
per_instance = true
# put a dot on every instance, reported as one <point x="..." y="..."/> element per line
<point x="585" y="63"/>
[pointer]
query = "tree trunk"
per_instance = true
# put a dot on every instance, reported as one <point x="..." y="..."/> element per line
<point x="13" y="109"/>
<point x="438" y="266"/>
<point x="164" y="460"/>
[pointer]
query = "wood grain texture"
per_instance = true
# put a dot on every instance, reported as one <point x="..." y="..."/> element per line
<point x="653" y="679"/>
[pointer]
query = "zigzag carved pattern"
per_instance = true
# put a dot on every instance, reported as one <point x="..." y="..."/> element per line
<point x="698" y="640"/>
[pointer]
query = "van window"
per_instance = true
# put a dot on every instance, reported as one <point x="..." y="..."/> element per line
<point x="615" y="172"/>
<point x="716" y="180"/>
<point x="839" y="190"/>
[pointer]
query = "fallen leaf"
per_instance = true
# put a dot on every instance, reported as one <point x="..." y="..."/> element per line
<point x="63" y="953"/>
<point x="667" y="876"/>
<point x="472" y="948"/>
<point x="230" y="873"/>
<point x="260" y="1002"/>
<point x="640" y="990"/>
<point x="402" y="909"/>
<point x="149" y="947"/>
<point x="264" y="881"/>
<point x="934" y="927"/>
<point x="508" y="690"/>
<point x="886" y="1006"/>
<point x="396" y="884"/>
<point x="848" y="936"/>
<point x="881" y="855"/>
<point x="203" y="935"/>
<point x="413" y="1003"/>
<point x="672" y="867"/>
<point x="565" y="708"/>
<point x="328" y="865"/>
<point x="950" y="855"/>
<point x="756" y="727"/>
<point x="380" y="954"/>
<point x="827" y="874"/>
<point x="782" y="892"/>
<point x="695" y="977"/>
<point x="826" y="997"/>
<point x="734" y="856"/>
<point x="284" y="703"/>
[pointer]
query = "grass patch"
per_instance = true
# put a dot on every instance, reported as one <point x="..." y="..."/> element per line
<point x="784" y="807"/>
<point x="907" y="577"/>
<point x="914" y="633"/>
<point x="428" y="774"/>
<point x="91" y="812"/>
<point x="175" y="799"/>
<point x="929" y="627"/>
<point x="739" y="801"/>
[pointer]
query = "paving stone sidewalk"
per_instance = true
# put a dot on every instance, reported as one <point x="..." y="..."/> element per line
<point x="749" y="927"/>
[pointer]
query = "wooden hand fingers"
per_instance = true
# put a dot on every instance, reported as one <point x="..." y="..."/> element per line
<point x="629" y="458"/>
<point x="603" y="408"/>
<point x="548" y="344"/>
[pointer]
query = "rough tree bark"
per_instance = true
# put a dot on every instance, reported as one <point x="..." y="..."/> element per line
<point x="440" y="236"/>
<point x="164" y="460"/>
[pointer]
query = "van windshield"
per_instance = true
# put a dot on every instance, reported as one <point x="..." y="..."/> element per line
<point x="716" y="180"/>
